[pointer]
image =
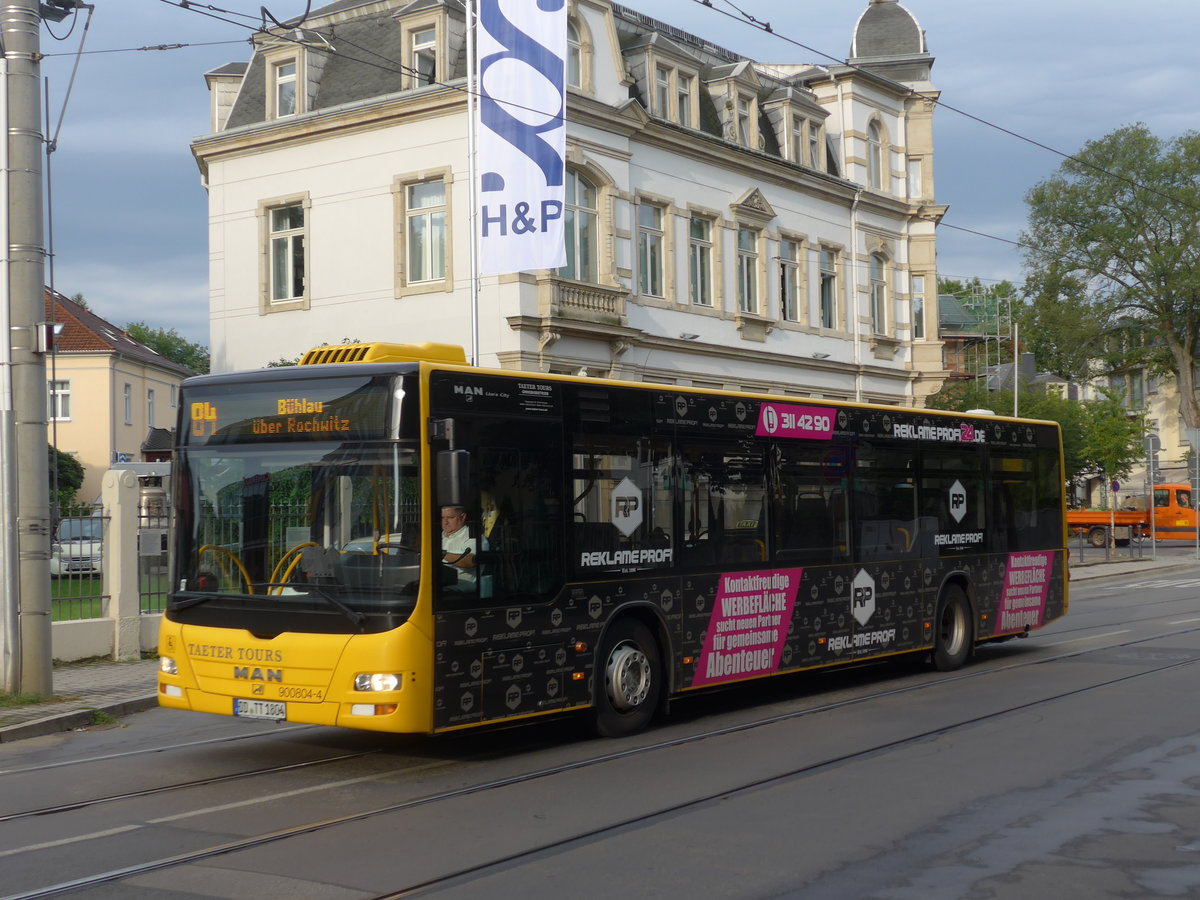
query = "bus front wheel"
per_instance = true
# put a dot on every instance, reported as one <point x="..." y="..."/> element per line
<point x="629" y="683"/>
<point x="953" y="630"/>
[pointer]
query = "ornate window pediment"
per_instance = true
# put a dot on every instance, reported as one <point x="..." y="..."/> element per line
<point x="753" y="207"/>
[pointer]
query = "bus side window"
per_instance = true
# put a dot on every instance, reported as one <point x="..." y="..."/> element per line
<point x="517" y="510"/>
<point x="885" y="503"/>
<point x="802" y="529"/>
<point x="724" y="503"/>
<point x="622" y="506"/>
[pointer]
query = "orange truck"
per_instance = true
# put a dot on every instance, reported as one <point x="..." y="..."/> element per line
<point x="1174" y="518"/>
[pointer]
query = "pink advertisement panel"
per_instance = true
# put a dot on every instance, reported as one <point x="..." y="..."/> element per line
<point x="787" y="420"/>
<point x="1026" y="583"/>
<point x="749" y="625"/>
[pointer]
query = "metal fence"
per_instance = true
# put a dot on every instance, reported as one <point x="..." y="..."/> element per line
<point x="78" y="558"/>
<point x="77" y="563"/>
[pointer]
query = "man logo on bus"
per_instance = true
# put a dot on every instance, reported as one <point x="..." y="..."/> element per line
<point x="862" y="597"/>
<point x="627" y="507"/>
<point x="958" y="501"/>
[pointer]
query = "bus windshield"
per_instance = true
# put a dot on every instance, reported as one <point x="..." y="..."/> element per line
<point x="301" y="526"/>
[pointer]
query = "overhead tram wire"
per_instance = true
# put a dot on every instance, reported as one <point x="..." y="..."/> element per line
<point x="748" y="19"/>
<point x="387" y="64"/>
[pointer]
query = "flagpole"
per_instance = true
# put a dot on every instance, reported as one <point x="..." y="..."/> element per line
<point x="472" y="102"/>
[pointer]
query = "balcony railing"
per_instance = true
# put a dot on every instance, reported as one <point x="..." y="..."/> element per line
<point x="581" y="300"/>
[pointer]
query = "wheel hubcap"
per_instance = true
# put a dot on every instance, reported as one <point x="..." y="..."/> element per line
<point x="627" y="677"/>
<point x="953" y="629"/>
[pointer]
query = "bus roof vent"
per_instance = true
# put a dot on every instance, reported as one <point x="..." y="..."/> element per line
<point x="378" y="352"/>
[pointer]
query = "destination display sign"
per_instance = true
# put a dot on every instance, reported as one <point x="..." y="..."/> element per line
<point x="325" y="409"/>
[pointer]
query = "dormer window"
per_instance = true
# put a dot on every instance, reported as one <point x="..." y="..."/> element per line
<point x="424" y="55"/>
<point x="683" y="96"/>
<point x="743" y="120"/>
<point x="283" y="88"/>
<point x="662" y="91"/>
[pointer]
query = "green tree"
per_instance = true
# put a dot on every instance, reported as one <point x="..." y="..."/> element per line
<point x="1098" y="436"/>
<point x="70" y="476"/>
<point x="171" y="344"/>
<point x="1116" y="231"/>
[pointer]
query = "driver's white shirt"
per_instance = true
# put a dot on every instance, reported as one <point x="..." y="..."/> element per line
<point x="457" y="543"/>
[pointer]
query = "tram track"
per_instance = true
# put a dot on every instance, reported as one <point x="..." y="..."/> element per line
<point x="311" y="827"/>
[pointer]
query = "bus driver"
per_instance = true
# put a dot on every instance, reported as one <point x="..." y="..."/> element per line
<point x="458" y="547"/>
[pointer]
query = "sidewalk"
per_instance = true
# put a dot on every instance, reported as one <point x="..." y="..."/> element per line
<point x="121" y="688"/>
<point x="83" y="690"/>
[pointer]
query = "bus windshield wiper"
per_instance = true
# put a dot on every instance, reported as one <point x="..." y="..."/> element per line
<point x="195" y="598"/>
<point x="358" y="618"/>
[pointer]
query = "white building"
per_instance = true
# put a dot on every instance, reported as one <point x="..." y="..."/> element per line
<point x="731" y="224"/>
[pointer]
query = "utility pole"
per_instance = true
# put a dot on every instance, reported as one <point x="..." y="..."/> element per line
<point x="24" y="491"/>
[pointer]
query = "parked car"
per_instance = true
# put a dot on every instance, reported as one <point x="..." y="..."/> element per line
<point x="77" y="546"/>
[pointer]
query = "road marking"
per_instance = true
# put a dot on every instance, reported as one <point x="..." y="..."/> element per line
<point x="1185" y="621"/>
<point x="268" y="798"/>
<point x="70" y="840"/>
<point x="1093" y="637"/>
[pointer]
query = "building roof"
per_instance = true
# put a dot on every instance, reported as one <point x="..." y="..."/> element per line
<point x="953" y="317"/>
<point x="85" y="332"/>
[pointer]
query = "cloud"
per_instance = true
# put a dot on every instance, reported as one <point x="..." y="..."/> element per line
<point x="163" y="293"/>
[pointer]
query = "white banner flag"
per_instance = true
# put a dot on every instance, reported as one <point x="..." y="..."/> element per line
<point x="521" y="48"/>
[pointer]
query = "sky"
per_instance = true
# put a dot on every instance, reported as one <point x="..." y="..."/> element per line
<point x="129" y="211"/>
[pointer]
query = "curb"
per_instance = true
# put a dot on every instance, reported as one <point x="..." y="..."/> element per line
<point x="75" y="719"/>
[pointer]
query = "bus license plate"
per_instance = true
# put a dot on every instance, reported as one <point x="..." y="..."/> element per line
<point x="260" y="709"/>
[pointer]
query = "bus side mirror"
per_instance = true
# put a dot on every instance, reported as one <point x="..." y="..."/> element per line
<point x="453" y="475"/>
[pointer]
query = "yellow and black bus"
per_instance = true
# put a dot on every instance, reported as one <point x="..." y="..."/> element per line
<point x="620" y="543"/>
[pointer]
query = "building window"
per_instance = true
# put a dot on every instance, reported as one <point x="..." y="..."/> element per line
<point x="914" y="179"/>
<point x="574" y="57"/>
<point x="814" y="145"/>
<point x="287" y="251"/>
<point x="60" y="401"/>
<point x="424" y="55"/>
<point x="743" y="120"/>
<point x="874" y="157"/>
<point x="150" y="407"/>
<point x="580" y="226"/>
<point x="918" y="307"/>
<point x="683" y="97"/>
<point x="700" y="261"/>
<point x="425" y="231"/>
<point x="650" y="249"/>
<point x="878" y="295"/>
<point x="662" y="92"/>
<point x="789" y="280"/>
<point x="828" y="288"/>
<point x="797" y="142"/>
<point x="174" y="396"/>
<point x="283" y="76"/>
<point x="747" y="270"/>
<point x="128" y="404"/>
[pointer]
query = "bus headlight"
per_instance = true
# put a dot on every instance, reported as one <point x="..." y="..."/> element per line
<point x="376" y="682"/>
<point x="167" y="665"/>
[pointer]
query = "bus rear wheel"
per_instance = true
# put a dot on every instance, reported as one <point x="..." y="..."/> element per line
<point x="954" y="636"/>
<point x="629" y="683"/>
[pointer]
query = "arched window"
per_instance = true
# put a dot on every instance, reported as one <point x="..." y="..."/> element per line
<point x="878" y="294"/>
<point x="874" y="157"/>
<point x="580" y="222"/>
<point x="574" y="56"/>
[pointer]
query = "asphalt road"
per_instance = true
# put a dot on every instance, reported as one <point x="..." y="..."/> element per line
<point x="1060" y="766"/>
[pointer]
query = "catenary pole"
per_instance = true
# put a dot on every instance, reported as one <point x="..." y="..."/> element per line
<point x="23" y="456"/>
